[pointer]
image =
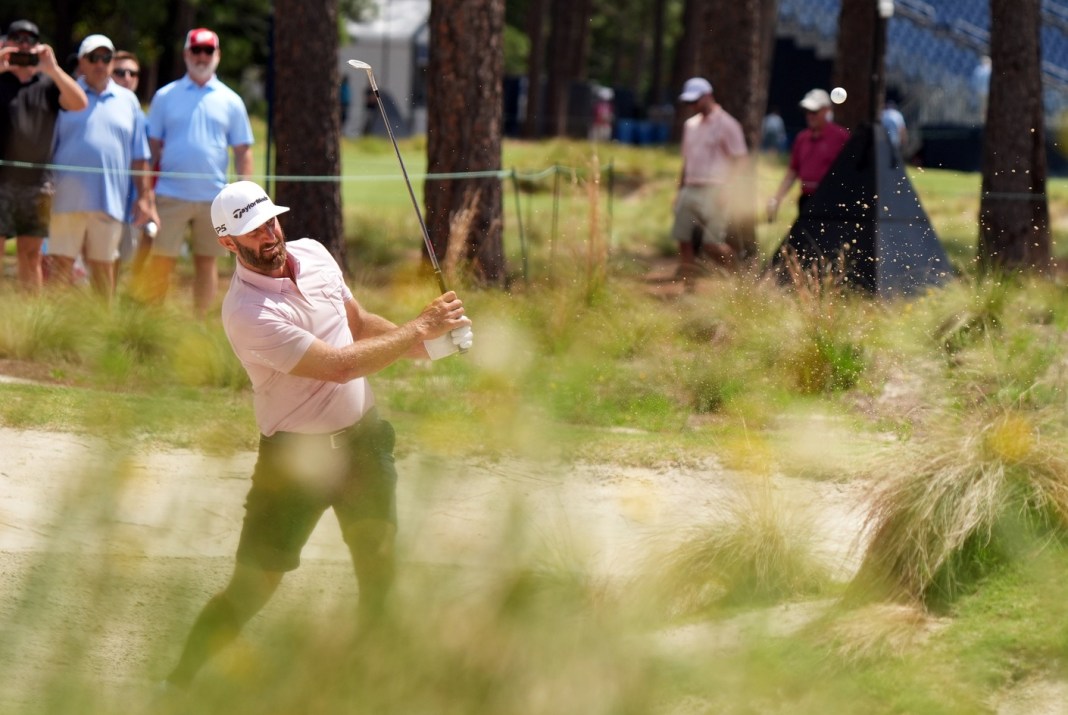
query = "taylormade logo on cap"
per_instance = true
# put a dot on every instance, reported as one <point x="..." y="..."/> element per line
<point x="242" y="207"/>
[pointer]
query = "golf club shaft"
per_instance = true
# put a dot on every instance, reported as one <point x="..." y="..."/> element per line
<point x="408" y="183"/>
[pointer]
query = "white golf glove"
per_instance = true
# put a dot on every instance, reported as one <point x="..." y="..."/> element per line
<point x="463" y="337"/>
<point x="450" y="343"/>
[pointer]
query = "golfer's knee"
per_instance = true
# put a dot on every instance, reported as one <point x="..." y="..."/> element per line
<point x="372" y="537"/>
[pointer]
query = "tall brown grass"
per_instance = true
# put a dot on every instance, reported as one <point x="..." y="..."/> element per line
<point x="756" y="551"/>
<point x="965" y="496"/>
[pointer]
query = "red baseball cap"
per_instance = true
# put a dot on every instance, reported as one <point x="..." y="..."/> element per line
<point x="201" y="37"/>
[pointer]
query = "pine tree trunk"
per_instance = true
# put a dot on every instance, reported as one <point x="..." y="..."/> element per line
<point x="738" y="64"/>
<point x="464" y="97"/>
<point x="688" y="60"/>
<point x="307" y="120"/>
<point x="568" y="40"/>
<point x="1014" y="230"/>
<point x="853" y="66"/>
<point x="534" y="125"/>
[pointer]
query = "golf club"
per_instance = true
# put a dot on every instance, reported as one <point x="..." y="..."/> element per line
<point x="357" y="64"/>
<point x="415" y="203"/>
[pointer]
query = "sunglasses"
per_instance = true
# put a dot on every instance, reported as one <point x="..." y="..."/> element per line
<point x="104" y="57"/>
<point x="123" y="72"/>
<point x="201" y="50"/>
<point x="19" y="38"/>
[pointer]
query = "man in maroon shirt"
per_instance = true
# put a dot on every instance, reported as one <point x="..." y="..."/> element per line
<point x="814" y="150"/>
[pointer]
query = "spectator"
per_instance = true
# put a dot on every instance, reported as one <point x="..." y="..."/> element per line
<point x="192" y="122"/>
<point x="345" y="97"/>
<point x="814" y="150"/>
<point x="33" y="88"/>
<point x="109" y="137"/>
<point x="712" y="147"/>
<point x="136" y="240"/>
<point x="603" y="115"/>
<point x="370" y="112"/>
<point x="896" y="131"/>
<point x="773" y="133"/>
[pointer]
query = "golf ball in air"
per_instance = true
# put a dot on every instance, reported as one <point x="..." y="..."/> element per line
<point x="838" y="95"/>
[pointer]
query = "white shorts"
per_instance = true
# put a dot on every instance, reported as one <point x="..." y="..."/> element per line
<point x="700" y="207"/>
<point x="174" y="216"/>
<point x="95" y="232"/>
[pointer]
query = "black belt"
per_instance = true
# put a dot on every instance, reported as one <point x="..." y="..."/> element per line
<point x="336" y="440"/>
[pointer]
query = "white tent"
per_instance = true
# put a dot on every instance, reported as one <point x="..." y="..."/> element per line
<point x="394" y="41"/>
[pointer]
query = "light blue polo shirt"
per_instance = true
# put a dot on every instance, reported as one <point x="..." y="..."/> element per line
<point x="106" y="137"/>
<point x="197" y="126"/>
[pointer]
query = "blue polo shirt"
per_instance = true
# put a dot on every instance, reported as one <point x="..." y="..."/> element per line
<point x="106" y="137"/>
<point x="197" y="126"/>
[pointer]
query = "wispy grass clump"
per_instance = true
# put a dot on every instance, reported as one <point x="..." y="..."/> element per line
<point x="981" y="312"/>
<point x="757" y="552"/>
<point x="42" y="329"/>
<point x="1002" y="342"/>
<point x="878" y="631"/>
<point x="828" y="355"/>
<point x="964" y="498"/>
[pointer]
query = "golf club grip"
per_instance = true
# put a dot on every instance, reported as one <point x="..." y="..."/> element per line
<point x="444" y="290"/>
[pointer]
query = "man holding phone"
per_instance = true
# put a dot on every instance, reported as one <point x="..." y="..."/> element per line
<point x="33" y="88"/>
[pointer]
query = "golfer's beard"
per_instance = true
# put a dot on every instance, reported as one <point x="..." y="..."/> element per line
<point x="260" y="263"/>
<point x="202" y="73"/>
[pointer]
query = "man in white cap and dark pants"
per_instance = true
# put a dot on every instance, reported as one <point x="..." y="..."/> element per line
<point x="308" y="347"/>
<point x="713" y="147"/>
<point x="813" y="152"/>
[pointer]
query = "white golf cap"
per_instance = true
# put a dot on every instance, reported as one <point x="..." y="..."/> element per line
<point x="695" y="88"/>
<point x="94" y="42"/>
<point x="815" y="100"/>
<point x="242" y="207"/>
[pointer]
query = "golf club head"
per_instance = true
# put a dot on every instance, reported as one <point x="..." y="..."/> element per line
<point x="370" y="74"/>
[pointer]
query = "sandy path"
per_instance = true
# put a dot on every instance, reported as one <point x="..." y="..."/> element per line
<point x="173" y="520"/>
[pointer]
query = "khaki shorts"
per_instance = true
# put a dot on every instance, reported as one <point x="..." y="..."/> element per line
<point x="175" y="215"/>
<point x="700" y="207"/>
<point x="95" y="232"/>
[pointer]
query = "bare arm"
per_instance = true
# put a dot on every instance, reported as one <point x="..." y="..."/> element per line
<point x="71" y="96"/>
<point x="155" y="147"/>
<point x="243" y="161"/>
<point x="145" y="208"/>
<point x="780" y="194"/>
<point x="379" y="343"/>
<point x="784" y="186"/>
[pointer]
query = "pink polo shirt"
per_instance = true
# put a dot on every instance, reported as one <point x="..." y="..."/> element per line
<point x="710" y="146"/>
<point x="271" y="323"/>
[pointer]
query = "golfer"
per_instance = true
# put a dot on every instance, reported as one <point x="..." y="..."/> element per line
<point x="308" y="347"/>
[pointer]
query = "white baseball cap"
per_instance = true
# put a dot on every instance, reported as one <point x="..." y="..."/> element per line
<point x="815" y="100"/>
<point x="695" y="88"/>
<point x="242" y="207"/>
<point x="94" y="42"/>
